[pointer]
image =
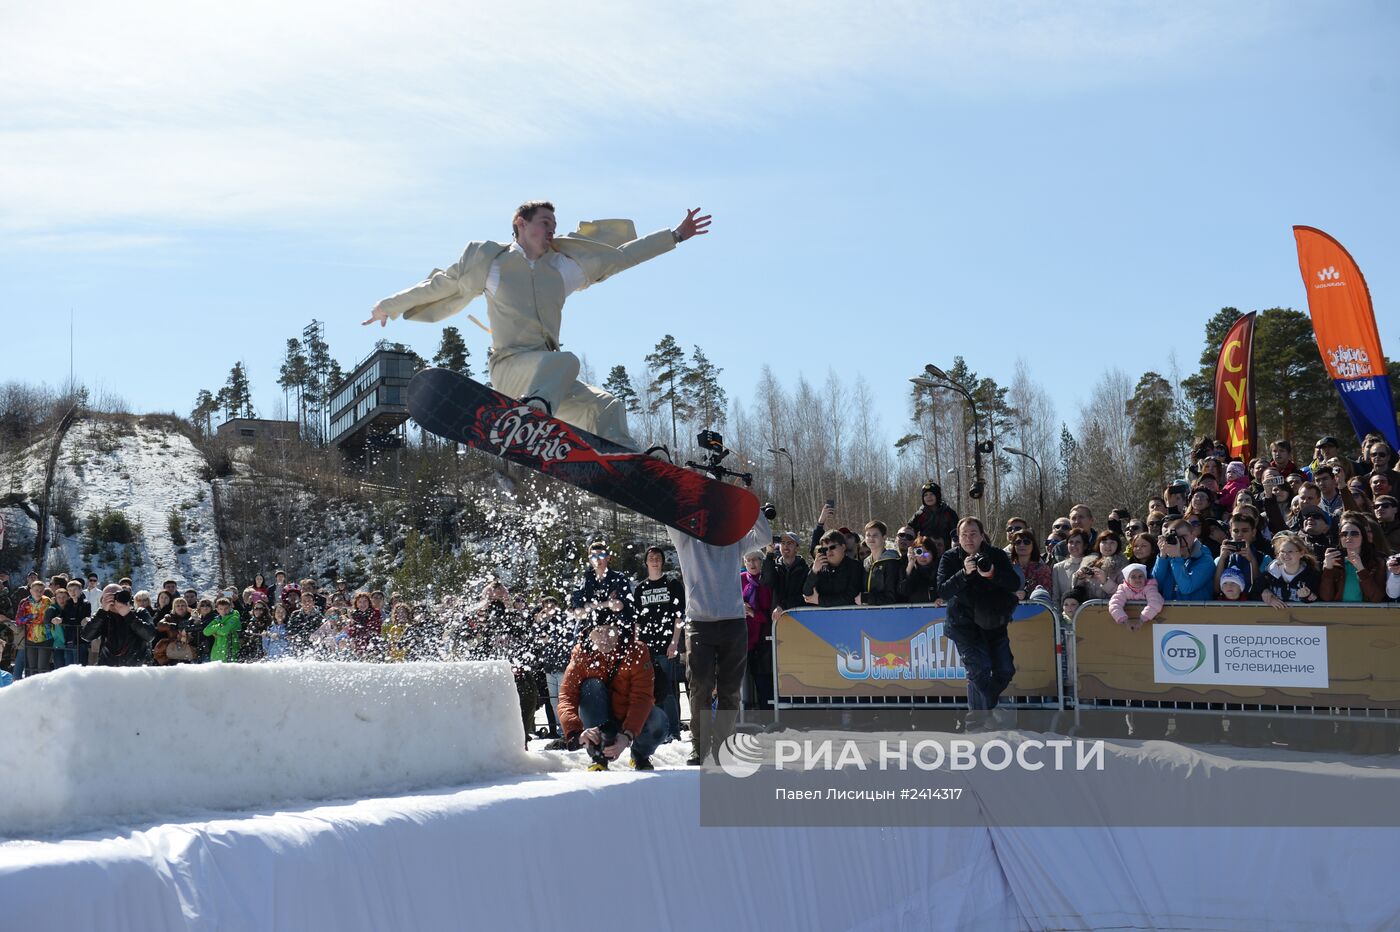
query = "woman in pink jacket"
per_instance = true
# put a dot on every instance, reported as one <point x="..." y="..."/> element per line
<point x="1137" y="586"/>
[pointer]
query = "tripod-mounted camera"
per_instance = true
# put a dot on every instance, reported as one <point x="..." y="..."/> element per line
<point x="715" y="452"/>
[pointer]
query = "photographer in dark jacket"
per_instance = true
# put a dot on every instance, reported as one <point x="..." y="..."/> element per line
<point x="835" y="578"/>
<point x="784" y="571"/>
<point x="920" y="582"/>
<point x="124" y="634"/>
<point x="979" y="584"/>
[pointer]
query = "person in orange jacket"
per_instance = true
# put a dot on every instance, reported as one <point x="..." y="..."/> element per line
<point x="606" y="701"/>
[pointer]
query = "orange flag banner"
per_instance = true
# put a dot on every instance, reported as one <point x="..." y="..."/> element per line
<point x="1345" y="325"/>
<point x="1234" y="390"/>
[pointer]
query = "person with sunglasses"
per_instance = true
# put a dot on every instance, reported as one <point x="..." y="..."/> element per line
<point x="836" y="577"/>
<point x="603" y="595"/>
<point x="1353" y="571"/>
<point x="1014" y="526"/>
<point x="1055" y="548"/>
<point x="1025" y="560"/>
<point x="1387" y="511"/>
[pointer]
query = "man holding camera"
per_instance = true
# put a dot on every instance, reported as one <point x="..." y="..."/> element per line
<point x="1243" y="554"/>
<point x="1184" y="569"/>
<point x="606" y="704"/>
<point x="979" y="584"/>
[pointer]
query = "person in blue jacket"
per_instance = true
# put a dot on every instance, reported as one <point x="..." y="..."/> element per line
<point x="1184" y="570"/>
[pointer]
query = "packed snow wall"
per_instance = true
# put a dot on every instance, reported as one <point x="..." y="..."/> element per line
<point x="87" y="746"/>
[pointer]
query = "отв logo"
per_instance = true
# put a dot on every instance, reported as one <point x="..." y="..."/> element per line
<point x="740" y="755"/>
<point x="1182" y="652"/>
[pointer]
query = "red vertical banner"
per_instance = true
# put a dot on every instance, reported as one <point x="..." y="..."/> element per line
<point x="1234" y="390"/>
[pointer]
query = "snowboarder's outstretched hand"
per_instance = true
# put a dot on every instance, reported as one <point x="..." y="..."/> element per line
<point x="378" y="314"/>
<point x="693" y="225"/>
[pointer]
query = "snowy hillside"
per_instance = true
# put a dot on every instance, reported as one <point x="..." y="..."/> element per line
<point x="139" y="467"/>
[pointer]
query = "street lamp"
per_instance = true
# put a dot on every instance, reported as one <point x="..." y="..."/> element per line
<point x="937" y="378"/>
<point x="1040" y="482"/>
<point x="792" y="472"/>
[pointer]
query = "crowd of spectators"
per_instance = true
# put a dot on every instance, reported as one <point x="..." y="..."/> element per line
<point x="1270" y="530"/>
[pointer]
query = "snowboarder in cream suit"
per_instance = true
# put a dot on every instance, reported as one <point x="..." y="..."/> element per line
<point x="526" y="282"/>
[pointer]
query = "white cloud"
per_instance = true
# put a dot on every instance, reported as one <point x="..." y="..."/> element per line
<point x="182" y="113"/>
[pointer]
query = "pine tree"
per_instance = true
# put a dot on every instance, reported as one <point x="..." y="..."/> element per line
<point x="236" y="395"/>
<point x="703" y="393"/>
<point x="316" y="388"/>
<point x="1157" y="432"/>
<point x="667" y="364"/>
<point x="620" y="384"/>
<point x="205" y="404"/>
<point x="294" y="375"/>
<point x="1069" y="456"/>
<point x="452" y="353"/>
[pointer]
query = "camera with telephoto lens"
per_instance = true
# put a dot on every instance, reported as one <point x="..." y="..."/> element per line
<point x="769" y="511"/>
<point x="984" y="562"/>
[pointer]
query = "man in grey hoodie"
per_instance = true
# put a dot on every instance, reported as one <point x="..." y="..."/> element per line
<point x="716" y="632"/>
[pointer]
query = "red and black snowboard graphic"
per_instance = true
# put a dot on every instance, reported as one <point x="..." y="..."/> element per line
<point x="465" y="411"/>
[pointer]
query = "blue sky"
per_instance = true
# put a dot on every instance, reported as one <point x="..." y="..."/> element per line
<point x="892" y="183"/>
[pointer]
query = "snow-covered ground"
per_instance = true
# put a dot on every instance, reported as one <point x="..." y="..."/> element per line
<point x="554" y="846"/>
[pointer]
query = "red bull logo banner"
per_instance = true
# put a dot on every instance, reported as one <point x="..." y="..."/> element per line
<point x="1234" y="390"/>
<point x="1345" y="325"/>
<point x="900" y="650"/>
<point x="927" y="655"/>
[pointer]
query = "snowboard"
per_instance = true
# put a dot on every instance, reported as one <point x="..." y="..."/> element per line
<point x="464" y="411"/>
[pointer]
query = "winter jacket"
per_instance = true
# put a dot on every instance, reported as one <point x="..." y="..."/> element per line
<point x="1125" y="593"/>
<point x="553" y="636"/>
<point x="629" y="679"/>
<point x="1371" y="578"/>
<point x="301" y="627"/>
<point x="1232" y="488"/>
<point x="759" y="598"/>
<point x="936" y="523"/>
<point x="1391" y="529"/>
<point x="785" y="581"/>
<point x="882" y="578"/>
<point x="1062" y="577"/>
<point x="919" y="584"/>
<point x="225" y="630"/>
<point x="1186" y="579"/>
<point x="836" y="585"/>
<point x="610" y="585"/>
<point x="274" y="641"/>
<point x="976" y="599"/>
<point x="1286" y="590"/>
<point x="364" y="629"/>
<point x="1034" y="574"/>
<point x="124" y="640"/>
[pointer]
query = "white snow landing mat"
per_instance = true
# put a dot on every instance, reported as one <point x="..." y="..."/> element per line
<point x="89" y="746"/>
